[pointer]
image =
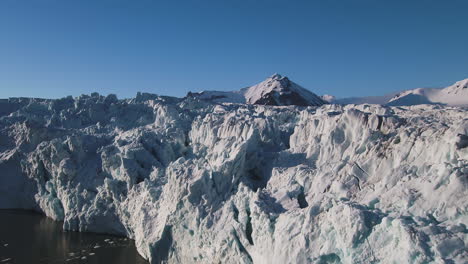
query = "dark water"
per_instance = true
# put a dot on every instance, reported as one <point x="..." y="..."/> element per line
<point x="27" y="237"/>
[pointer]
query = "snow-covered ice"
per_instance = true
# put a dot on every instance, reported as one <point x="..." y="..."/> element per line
<point x="193" y="181"/>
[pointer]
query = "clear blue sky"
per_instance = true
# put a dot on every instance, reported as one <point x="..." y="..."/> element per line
<point x="54" y="48"/>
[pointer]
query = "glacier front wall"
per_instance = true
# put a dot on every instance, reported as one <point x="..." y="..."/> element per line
<point x="195" y="182"/>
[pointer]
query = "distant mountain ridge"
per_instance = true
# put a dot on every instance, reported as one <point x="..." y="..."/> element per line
<point x="280" y="90"/>
<point x="275" y="90"/>
<point x="453" y="95"/>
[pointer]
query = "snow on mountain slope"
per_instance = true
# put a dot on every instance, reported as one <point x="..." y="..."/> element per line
<point x="220" y="96"/>
<point x="382" y="100"/>
<point x="454" y="95"/>
<point x="328" y="98"/>
<point x="275" y="90"/>
<point x="278" y="90"/>
<point x="195" y="182"/>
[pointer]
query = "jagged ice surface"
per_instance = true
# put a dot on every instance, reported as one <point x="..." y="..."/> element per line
<point x="192" y="181"/>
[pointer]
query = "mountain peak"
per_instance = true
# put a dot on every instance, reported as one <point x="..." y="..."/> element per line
<point x="463" y="84"/>
<point x="276" y="76"/>
<point x="274" y="90"/>
<point x="279" y="90"/>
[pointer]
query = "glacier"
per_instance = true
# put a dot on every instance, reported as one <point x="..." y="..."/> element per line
<point x="198" y="182"/>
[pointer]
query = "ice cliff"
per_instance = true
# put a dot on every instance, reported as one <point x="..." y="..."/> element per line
<point x="195" y="182"/>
